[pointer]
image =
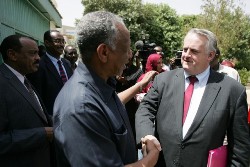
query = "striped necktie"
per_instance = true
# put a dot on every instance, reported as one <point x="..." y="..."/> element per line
<point x="35" y="98"/>
<point x="62" y="72"/>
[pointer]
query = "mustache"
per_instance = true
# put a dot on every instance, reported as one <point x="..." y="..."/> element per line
<point x="36" y="62"/>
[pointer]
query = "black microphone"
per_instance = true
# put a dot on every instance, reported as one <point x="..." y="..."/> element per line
<point x="139" y="45"/>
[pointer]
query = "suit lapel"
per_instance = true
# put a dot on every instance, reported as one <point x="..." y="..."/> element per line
<point x="52" y="69"/>
<point x="67" y="68"/>
<point x="211" y="91"/>
<point x="17" y="84"/>
<point x="178" y="100"/>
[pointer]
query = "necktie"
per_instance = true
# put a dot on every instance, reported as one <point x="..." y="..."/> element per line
<point x="34" y="97"/>
<point x="187" y="96"/>
<point x="62" y="73"/>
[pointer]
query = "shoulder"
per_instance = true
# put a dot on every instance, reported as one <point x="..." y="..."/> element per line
<point x="65" y="61"/>
<point x="231" y="72"/>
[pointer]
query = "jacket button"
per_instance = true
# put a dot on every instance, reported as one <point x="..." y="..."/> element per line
<point x="182" y="146"/>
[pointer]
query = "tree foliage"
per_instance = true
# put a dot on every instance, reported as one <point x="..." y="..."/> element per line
<point x="160" y="22"/>
<point x="231" y="26"/>
<point x="167" y="29"/>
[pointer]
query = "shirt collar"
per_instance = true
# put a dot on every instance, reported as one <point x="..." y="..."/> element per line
<point x="17" y="74"/>
<point x="53" y="59"/>
<point x="105" y="89"/>
<point x="200" y="76"/>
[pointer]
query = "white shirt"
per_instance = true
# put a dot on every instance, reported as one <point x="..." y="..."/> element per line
<point x="229" y="71"/>
<point x="199" y="88"/>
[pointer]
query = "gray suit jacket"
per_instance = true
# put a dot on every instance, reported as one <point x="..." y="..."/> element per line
<point x="23" y="141"/>
<point x="223" y="108"/>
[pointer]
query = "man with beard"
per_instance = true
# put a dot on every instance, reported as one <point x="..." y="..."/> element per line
<point x="25" y="127"/>
<point x="53" y="70"/>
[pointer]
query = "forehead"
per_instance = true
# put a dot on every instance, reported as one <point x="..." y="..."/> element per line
<point x="158" y="48"/>
<point x="28" y="44"/>
<point x="124" y="35"/>
<point x="56" y="35"/>
<point x="194" y="41"/>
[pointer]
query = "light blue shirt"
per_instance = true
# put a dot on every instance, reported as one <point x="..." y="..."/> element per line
<point x="54" y="61"/>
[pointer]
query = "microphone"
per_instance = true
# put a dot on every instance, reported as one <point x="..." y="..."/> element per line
<point x="139" y="45"/>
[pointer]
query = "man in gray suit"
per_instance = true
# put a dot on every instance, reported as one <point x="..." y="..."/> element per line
<point x="25" y="127"/>
<point x="218" y="107"/>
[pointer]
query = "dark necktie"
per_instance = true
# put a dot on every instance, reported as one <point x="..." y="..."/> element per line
<point x="34" y="97"/>
<point x="62" y="73"/>
<point x="187" y="96"/>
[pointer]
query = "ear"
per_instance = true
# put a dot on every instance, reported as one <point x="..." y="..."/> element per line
<point x="211" y="55"/>
<point x="47" y="43"/>
<point x="12" y="55"/>
<point x="103" y="52"/>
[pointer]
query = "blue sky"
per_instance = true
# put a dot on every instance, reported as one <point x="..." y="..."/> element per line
<point x="73" y="9"/>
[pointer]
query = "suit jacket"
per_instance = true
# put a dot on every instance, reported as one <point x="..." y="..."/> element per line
<point x="48" y="82"/>
<point x="223" y="108"/>
<point x="23" y="141"/>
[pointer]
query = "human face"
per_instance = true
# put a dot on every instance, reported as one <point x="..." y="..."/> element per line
<point x="71" y="54"/>
<point x="55" y="47"/>
<point x="158" y="50"/>
<point x="119" y="57"/>
<point x="27" y="59"/>
<point x="159" y="65"/>
<point x="195" y="57"/>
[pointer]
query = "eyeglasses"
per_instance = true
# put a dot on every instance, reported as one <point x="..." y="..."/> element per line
<point x="59" y="41"/>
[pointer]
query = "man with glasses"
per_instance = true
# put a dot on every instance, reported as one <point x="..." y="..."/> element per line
<point x="53" y="70"/>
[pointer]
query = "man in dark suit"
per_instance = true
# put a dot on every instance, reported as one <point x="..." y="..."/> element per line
<point x="25" y="127"/>
<point x="218" y="107"/>
<point x="50" y="78"/>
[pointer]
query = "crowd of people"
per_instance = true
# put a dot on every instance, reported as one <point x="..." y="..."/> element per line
<point x="98" y="108"/>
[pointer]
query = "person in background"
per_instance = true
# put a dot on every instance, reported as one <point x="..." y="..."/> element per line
<point x="228" y="63"/>
<point x="25" y="127"/>
<point x="154" y="63"/>
<point x="224" y="69"/>
<point x="91" y="125"/>
<point x="192" y="108"/>
<point x="53" y="71"/>
<point x="42" y="50"/>
<point x="166" y="66"/>
<point x="128" y="79"/>
<point x="70" y="53"/>
<point x="158" y="50"/>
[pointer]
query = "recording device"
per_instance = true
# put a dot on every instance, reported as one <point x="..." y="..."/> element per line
<point x="177" y="61"/>
<point x="145" y="49"/>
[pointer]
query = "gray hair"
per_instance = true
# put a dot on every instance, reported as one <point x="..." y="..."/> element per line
<point x="211" y="38"/>
<point x="94" y="29"/>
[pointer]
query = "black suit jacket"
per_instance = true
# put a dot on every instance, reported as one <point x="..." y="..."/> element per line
<point x="223" y="108"/>
<point x="48" y="82"/>
<point x="23" y="141"/>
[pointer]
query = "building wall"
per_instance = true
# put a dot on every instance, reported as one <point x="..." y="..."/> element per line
<point x="26" y="17"/>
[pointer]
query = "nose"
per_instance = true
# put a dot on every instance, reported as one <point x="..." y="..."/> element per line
<point x="187" y="53"/>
